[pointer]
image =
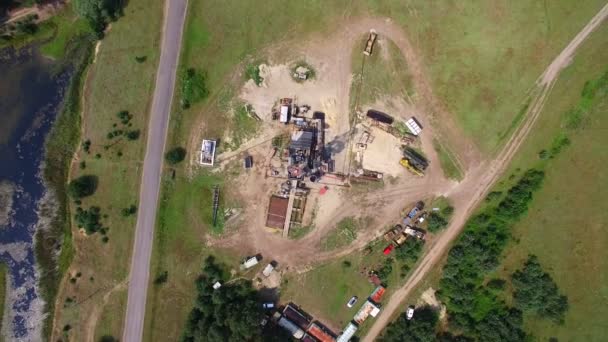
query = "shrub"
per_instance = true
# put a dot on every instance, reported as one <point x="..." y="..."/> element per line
<point x="82" y="186"/>
<point x="420" y="329"/>
<point x="161" y="278"/>
<point x="88" y="219"/>
<point x="436" y="222"/>
<point x="194" y="88"/>
<point x="252" y="72"/>
<point x="129" y="211"/>
<point x="98" y="12"/>
<point x="175" y="155"/>
<point x="133" y="135"/>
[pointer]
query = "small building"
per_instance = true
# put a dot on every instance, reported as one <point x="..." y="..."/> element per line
<point x="288" y="325"/>
<point x="348" y="333"/>
<point x="248" y="162"/>
<point x="413" y="125"/>
<point x="285" y="110"/>
<point x="366" y="310"/>
<point x="250" y="262"/>
<point x="294" y="314"/>
<point x="376" y="296"/>
<point x="277" y="212"/>
<point x="321" y="333"/>
<point x="267" y="270"/>
<point x="207" y="154"/>
<point x="217" y="285"/>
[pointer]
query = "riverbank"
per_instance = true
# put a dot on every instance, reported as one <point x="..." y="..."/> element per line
<point x="54" y="249"/>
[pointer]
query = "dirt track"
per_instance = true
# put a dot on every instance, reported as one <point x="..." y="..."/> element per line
<point x="484" y="176"/>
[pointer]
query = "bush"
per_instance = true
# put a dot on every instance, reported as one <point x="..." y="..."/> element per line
<point x="133" y="135"/>
<point x="161" y="278"/>
<point x="129" y="211"/>
<point x="252" y="72"/>
<point x="194" y="88"/>
<point x="98" y="12"/>
<point x="88" y="219"/>
<point x="436" y="222"/>
<point x="82" y="186"/>
<point x="175" y="155"/>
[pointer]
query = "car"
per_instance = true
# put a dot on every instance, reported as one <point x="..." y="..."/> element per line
<point x="352" y="301"/>
<point x="268" y="305"/>
<point x="410" y="312"/>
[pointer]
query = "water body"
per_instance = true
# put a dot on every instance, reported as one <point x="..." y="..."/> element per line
<point x="31" y="90"/>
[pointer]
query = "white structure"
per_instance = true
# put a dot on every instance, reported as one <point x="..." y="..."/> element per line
<point x="267" y="270"/>
<point x="217" y="285"/>
<point x="284" y="118"/>
<point x="348" y="333"/>
<point x="413" y="125"/>
<point x="249" y="263"/>
<point x="207" y="154"/>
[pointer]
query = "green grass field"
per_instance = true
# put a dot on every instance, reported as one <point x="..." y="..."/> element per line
<point x="116" y="81"/>
<point x="448" y="161"/>
<point x="482" y="59"/>
<point x="566" y="224"/>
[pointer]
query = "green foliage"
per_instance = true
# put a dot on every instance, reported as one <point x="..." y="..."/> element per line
<point x="124" y="117"/>
<point x="133" y="135"/>
<point x="421" y="328"/>
<point x="89" y="219"/>
<point x="558" y="144"/>
<point x="98" y="13"/>
<point x="161" y="278"/>
<point x="82" y="186"/>
<point x="175" y="155"/>
<point x="536" y="291"/>
<point x="252" y="72"/>
<point x="346" y="264"/>
<point x="386" y="269"/>
<point x="493" y="196"/>
<point x="129" y="211"/>
<point x="193" y="87"/>
<point x="477" y="252"/>
<point x="86" y="146"/>
<point x="410" y="250"/>
<point x="230" y="313"/>
<point x="496" y="284"/>
<point x="436" y="222"/>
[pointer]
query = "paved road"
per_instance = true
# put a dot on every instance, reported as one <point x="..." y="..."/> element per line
<point x="485" y="179"/>
<point x="175" y="14"/>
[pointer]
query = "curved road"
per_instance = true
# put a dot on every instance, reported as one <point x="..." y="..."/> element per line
<point x="486" y="175"/>
<point x="174" y="17"/>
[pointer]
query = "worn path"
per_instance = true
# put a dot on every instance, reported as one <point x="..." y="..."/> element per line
<point x="174" y="17"/>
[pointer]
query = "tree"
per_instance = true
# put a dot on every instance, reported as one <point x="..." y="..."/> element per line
<point x="82" y="186"/>
<point x="421" y="328"/>
<point x="98" y="12"/>
<point x="436" y="222"/>
<point x="230" y="313"/>
<point x="536" y="291"/>
<point x="175" y="155"/>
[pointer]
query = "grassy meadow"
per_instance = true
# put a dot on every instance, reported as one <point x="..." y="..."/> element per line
<point x="566" y="223"/>
<point x="482" y="59"/>
<point x="115" y="82"/>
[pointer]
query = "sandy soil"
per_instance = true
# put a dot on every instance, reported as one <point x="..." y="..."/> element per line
<point x="383" y="154"/>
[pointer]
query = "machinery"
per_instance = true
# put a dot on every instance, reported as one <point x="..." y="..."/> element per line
<point x="406" y="163"/>
<point x="369" y="45"/>
<point x="413" y="161"/>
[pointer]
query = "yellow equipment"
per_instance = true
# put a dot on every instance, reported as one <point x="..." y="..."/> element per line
<point x="406" y="163"/>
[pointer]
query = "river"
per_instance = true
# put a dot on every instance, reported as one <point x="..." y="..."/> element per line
<point x="31" y="90"/>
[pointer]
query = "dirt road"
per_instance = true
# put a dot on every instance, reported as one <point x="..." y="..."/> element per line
<point x="174" y="17"/>
<point x="485" y="176"/>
